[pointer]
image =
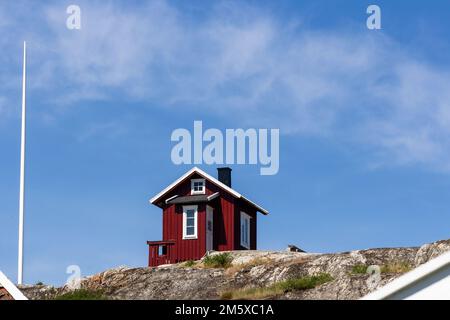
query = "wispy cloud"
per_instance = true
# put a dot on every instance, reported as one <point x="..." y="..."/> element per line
<point x="111" y="129"/>
<point x="359" y="88"/>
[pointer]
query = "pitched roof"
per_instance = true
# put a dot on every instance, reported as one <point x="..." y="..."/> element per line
<point x="428" y="281"/>
<point x="210" y="179"/>
<point x="11" y="288"/>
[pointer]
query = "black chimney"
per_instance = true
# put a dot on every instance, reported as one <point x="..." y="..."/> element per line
<point x="224" y="175"/>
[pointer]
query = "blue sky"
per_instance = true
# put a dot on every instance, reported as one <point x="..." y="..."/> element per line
<point x="363" y="116"/>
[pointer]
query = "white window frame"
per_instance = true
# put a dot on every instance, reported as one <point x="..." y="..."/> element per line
<point x="185" y="235"/>
<point x="245" y="217"/>
<point x="192" y="186"/>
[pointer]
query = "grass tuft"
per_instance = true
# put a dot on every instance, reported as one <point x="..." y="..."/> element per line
<point x="222" y="260"/>
<point x="391" y="267"/>
<point x="396" y="267"/>
<point x="359" y="269"/>
<point x="294" y="284"/>
<point x="82" y="294"/>
<point x="189" y="263"/>
<point x="304" y="283"/>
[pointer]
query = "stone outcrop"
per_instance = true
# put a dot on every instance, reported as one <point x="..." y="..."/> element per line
<point x="256" y="269"/>
<point x="430" y="251"/>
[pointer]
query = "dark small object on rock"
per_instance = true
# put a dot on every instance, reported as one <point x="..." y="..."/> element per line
<point x="293" y="248"/>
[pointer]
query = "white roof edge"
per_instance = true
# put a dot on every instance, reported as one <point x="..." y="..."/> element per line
<point x="261" y="209"/>
<point x="187" y="174"/>
<point x="410" y="278"/>
<point x="171" y="198"/>
<point x="11" y="288"/>
<point x="213" y="180"/>
<point x="173" y="184"/>
<point x="213" y="196"/>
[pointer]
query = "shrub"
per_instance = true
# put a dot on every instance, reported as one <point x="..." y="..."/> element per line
<point x="82" y="294"/>
<point x="222" y="260"/>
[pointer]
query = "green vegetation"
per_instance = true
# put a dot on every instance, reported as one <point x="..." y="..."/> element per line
<point x="39" y="283"/>
<point x="304" y="283"/>
<point x="252" y="293"/>
<point x="189" y="263"/>
<point x="294" y="284"/>
<point x="396" y="267"/>
<point x="228" y="295"/>
<point x="391" y="267"/>
<point x="82" y="294"/>
<point x="359" y="269"/>
<point x="222" y="260"/>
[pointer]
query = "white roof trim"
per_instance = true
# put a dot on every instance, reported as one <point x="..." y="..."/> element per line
<point x="11" y="288"/>
<point x="410" y="278"/>
<point x="213" y="196"/>
<point x="211" y="179"/>
<point x="171" y="198"/>
<point x="264" y="211"/>
<point x="200" y="172"/>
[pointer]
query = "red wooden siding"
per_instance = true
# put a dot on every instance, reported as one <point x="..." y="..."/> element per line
<point x="184" y="249"/>
<point x="226" y="233"/>
<point x="156" y="259"/>
<point x="243" y="206"/>
<point x="223" y="219"/>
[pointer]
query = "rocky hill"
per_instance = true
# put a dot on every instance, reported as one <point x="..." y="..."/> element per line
<point x="256" y="274"/>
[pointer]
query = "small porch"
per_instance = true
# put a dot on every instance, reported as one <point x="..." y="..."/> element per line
<point x="161" y="252"/>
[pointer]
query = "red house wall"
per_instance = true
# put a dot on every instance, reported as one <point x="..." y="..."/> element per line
<point x="226" y="223"/>
<point x="184" y="249"/>
<point x="223" y="219"/>
<point x="243" y="206"/>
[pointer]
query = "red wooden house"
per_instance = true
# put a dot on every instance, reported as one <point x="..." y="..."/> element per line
<point x="200" y="214"/>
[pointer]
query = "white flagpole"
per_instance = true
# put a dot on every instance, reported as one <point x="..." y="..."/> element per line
<point x="22" y="170"/>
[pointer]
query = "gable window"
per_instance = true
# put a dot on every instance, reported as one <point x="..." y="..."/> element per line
<point x="198" y="186"/>
<point x="245" y="230"/>
<point x="190" y="222"/>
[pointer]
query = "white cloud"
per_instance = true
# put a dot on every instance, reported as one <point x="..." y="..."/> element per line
<point x="361" y="88"/>
<point x="117" y="47"/>
<point x="111" y="130"/>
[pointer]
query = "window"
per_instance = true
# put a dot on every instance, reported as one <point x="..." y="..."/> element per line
<point x="162" y="250"/>
<point x="198" y="186"/>
<point x="245" y="230"/>
<point x="189" y="222"/>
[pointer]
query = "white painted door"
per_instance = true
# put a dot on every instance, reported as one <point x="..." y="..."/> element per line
<point x="209" y="228"/>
